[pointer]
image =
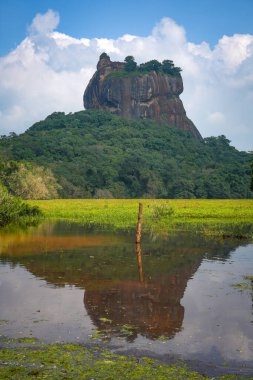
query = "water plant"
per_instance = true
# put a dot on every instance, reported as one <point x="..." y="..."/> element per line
<point x="227" y="218"/>
<point x="33" y="359"/>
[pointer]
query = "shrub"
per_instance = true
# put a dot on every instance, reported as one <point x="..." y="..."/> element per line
<point x="13" y="210"/>
<point x="162" y="211"/>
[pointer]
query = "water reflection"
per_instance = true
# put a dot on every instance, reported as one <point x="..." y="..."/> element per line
<point x="139" y="262"/>
<point x="50" y="237"/>
<point x="151" y="308"/>
<point x="129" y="290"/>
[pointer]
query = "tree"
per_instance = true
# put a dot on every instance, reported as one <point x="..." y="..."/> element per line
<point x="28" y="181"/>
<point x="169" y="68"/>
<point x="104" y="56"/>
<point x="130" y="64"/>
<point x="152" y="65"/>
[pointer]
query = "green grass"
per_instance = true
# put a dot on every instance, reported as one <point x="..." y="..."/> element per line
<point x="29" y="360"/>
<point x="125" y="74"/>
<point x="217" y="217"/>
<point x="136" y="73"/>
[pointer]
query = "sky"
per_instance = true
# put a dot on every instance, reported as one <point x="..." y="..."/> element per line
<point x="49" y="50"/>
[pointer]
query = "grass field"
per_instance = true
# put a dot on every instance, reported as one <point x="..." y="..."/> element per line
<point x="218" y="217"/>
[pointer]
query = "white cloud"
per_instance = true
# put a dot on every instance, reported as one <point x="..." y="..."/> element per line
<point x="45" y="23"/>
<point x="49" y="71"/>
<point x="234" y="50"/>
<point x="216" y="117"/>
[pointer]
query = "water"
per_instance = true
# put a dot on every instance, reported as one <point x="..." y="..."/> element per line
<point x="60" y="282"/>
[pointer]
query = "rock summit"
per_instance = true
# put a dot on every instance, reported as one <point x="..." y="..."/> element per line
<point x="139" y="92"/>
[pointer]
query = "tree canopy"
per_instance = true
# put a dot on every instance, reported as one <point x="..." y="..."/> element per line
<point x="97" y="154"/>
<point x="130" y="64"/>
<point x="166" y="67"/>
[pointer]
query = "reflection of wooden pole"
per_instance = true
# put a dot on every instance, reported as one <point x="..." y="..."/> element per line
<point x="138" y="233"/>
<point x="138" y="252"/>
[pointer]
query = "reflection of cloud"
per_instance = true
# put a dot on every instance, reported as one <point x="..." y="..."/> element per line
<point x="58" y="312"/>
<point x="217" y="315"/>
<point x="49" y="71"/>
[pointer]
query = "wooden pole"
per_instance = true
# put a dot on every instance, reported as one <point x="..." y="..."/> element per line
<point x="138" y="232"/>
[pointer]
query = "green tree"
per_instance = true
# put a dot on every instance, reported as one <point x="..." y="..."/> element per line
<point x="28" y="181"/>
<point x="130" y="64"/>
<point x="104" y="56"/>
<point x="169" y="68"/>
<point x="152" y="65"/>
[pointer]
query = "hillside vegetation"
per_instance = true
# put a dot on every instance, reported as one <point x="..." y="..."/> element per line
<point x="94" y="154"/>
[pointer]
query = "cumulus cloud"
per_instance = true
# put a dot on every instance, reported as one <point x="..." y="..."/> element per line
<point x="49" y="71"/>
<point x="45" y="23"/>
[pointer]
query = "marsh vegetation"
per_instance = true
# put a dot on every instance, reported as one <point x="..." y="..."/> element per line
<point x="214" y="217"/>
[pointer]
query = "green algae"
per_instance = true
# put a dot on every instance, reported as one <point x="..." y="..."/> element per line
<point x="248" y="278"/>
<point x="3" y="322"/>
<point x="73" y="361"/>
<point x="241" y="286"/>
<point x="244" y="285"/>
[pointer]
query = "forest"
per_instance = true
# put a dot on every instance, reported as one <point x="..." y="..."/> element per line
<point x="95" y="154"/>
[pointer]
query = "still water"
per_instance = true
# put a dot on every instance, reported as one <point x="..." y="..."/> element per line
<point x="175" y="295"/>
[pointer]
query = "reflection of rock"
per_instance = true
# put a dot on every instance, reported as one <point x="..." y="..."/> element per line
<point x="106" y="267"/>
<point x="152" y="308"/>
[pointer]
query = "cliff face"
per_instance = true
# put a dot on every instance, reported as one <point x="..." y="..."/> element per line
<point x="152" y="95"/>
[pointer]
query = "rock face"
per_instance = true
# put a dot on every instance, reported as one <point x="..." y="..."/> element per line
<point x="152" y="95"/>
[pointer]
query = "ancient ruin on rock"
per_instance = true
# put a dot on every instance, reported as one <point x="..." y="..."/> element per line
<point x="139" y="92"/>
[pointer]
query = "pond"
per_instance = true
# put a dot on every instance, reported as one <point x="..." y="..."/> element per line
<point x="181" y="294"/>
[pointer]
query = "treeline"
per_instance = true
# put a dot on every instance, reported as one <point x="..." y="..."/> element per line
<point x="94" y="154"/>
<point x="166" y="67"/>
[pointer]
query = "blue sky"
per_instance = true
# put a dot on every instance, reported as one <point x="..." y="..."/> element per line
<point x="204" y="20"/>
<point x="49" y="51"/>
